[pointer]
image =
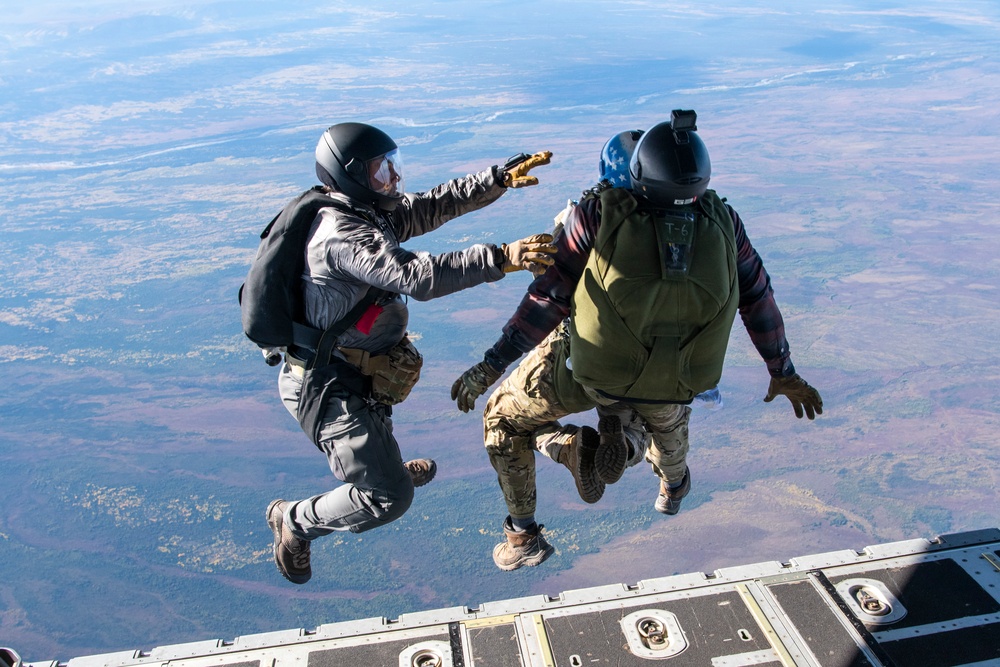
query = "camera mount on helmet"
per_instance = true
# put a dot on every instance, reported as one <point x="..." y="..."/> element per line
<point x="684" y="120"/>
<point x="670" y="166"/>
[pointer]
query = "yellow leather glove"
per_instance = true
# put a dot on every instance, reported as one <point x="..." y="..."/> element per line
<point x="516" y="176"/>
<point x="472" y="384"/>
<point x="533" y="253"/>
<point x="798" y="391"/>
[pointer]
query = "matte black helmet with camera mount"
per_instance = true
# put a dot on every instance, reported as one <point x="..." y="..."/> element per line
<point x="363" y="162"/>
<point x="670" y="165"/>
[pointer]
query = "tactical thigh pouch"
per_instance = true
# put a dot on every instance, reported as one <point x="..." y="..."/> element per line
<point x="568" y="391"/>
<point x="392" y="374"/>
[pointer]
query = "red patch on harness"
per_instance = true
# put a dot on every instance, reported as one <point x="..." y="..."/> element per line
<point x="368" y="318"/>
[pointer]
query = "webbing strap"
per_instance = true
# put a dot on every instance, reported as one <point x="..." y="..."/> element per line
<point x="306" y="336"/>
<point x="328" y="339"/>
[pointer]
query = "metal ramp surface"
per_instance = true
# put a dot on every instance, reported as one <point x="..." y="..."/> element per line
<point x="916" y="603"/>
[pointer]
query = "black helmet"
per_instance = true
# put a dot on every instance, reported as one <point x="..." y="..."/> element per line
<point x="670" y="165"/>
<point x="363" y="162"/>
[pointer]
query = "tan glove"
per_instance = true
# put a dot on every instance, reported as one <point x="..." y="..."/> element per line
<point x="472" y="384"/>
<point x="798" y="391"/>
<point x="516" y="176"/>
<point x="533" y="253"/>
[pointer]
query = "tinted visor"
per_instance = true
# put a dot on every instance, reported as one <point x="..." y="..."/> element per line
<point x="385" y="174"/>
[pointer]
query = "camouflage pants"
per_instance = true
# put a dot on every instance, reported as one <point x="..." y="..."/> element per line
<point x="522" y="417"/>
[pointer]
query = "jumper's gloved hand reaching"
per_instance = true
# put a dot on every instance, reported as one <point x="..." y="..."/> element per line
<point x="799" y="392"/>
<point x="472" y="384"/>
<point x="533" y="253"/>
<point x="515" y="171"/>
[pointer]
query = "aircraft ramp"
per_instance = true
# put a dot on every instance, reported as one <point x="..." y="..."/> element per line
<point x="915" y="603"/>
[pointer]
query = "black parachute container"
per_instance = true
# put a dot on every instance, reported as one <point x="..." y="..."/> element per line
<point x="271" y="296"/>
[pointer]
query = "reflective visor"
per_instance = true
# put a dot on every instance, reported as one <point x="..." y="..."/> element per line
<point x="385" y="174"/>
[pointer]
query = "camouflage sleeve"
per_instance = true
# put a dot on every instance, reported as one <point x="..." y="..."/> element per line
<point x="547" y="302"/>
<point x="424" y="212"/>
<point x="758" y="309"/>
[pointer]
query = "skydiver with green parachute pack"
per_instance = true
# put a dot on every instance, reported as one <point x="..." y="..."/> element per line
<point x="649" y="282"/>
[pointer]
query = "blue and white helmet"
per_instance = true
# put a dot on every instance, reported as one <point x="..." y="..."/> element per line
<point x="615" y="157"/>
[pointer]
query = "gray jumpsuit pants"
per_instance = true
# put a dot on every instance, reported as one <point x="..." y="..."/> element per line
<point x="357" y="439"/>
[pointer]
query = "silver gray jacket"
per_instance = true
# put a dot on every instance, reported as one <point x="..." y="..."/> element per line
<point x="348" y="254"/>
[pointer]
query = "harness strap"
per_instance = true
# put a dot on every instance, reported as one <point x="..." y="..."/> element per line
<point x="328" y="339"/>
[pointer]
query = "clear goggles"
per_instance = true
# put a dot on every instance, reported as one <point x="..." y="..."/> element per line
<point x="385" y="174"/>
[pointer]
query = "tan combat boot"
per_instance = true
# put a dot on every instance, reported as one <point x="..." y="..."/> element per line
<point x="521" y="548"/>
<point x="579" y="456"/>
<point x="669" y="500"/>
<point x="421" y="470"/>
<point x="291" y="554"/>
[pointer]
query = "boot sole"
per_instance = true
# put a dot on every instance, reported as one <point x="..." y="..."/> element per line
<point x="425" y="479"/>
<point x="589" y="484"/>
<point x="612" y="452"/>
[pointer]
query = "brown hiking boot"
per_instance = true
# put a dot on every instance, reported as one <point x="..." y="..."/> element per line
<point x="527" y="548"/>
<point x="612" y="453"/>
<point x="578" y="455"/>
<point x="421" y="470"/>
<point x="669" y="500"/>
<point x="291" y="554"/>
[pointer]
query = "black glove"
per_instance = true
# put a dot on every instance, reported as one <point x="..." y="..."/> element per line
<point x="799" y="393"/>
<point x="473" y="383"/>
